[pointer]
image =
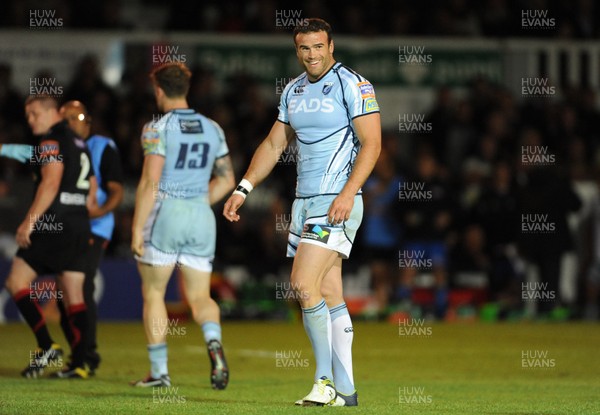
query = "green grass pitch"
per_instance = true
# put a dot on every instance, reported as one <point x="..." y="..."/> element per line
<point x="459" y="368"/>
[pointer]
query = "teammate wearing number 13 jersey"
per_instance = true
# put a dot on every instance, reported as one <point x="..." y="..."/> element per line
<point x="186" y="169"/>
<point x="54" y="237"/>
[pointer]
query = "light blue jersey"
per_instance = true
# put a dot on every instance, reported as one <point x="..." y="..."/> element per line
<point x="321" y="114"/>
<point x="181" y="227"/>
<point x="190" y="143"/>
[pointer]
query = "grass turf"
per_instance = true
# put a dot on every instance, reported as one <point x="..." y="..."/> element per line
<point x="461" y="368"/>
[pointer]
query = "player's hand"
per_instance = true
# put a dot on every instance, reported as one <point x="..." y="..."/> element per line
<point x="95" y="211"/>
<point x="23" y="233"/>
<point x="137" y="243"/>
<point x="232" y="205"/>
<point x="340" y="209"/>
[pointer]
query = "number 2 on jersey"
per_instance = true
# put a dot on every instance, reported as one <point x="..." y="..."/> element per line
<point x="82" y="182"/>
<point x="198" y="156"/>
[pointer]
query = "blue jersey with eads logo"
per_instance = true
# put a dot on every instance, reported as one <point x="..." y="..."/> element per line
<point x="190" y="144"/>
<point x="321" y="114"/>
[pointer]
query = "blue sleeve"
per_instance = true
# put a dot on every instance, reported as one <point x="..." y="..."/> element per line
<point x="361" y="98"/>
<point x="223" y="150"/>
<point x="20" y="152"/>
<point x="283" y="106"/>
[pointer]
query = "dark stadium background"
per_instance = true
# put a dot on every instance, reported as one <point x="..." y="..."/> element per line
<point x="470" y="113"/>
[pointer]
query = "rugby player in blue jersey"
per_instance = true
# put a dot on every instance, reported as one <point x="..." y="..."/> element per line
<point x="332" y="113"/>
<point x="186" y="169"/>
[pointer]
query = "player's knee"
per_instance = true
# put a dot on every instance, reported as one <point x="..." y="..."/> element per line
<point x="199" y="298"/>
<point x="13" y="285"/>
<point x="8" y="285"/>
<point x="152" y="293"/>
<point x="301" y="285"/>
<point x="331" y="298"/>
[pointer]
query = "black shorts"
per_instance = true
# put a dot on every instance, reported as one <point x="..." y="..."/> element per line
<point x="53" y="253"/>
<point x="95" y="254"/>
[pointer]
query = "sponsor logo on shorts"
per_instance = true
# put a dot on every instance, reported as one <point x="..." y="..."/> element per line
<point x="316" y="233"/>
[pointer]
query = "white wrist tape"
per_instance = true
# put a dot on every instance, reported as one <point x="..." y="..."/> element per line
<point x="244" y="188"/>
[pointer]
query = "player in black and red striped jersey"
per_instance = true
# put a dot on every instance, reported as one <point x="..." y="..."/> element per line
<point x="54" y="237"/>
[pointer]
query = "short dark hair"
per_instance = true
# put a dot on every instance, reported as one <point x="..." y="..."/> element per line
<point x="313" y="24"/>
<point x="173" y="78"/>
<point x="46" y="100"/>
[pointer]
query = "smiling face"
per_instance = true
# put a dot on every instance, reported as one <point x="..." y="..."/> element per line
<point x="315" y="53"/>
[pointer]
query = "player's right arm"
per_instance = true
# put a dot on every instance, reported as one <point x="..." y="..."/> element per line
<point x="51" y="177"/>
<point x="144" y="199"/>
<point x="155" y="150"/>
<point x="223" y="180"/>
<point x="263" y="162"/>
<point x="112" y="174"/>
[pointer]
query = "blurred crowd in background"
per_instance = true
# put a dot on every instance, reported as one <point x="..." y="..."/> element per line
<point x="465" y="190"/>
<point x="498" y="18"/>
<point x="457" y="191"/>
